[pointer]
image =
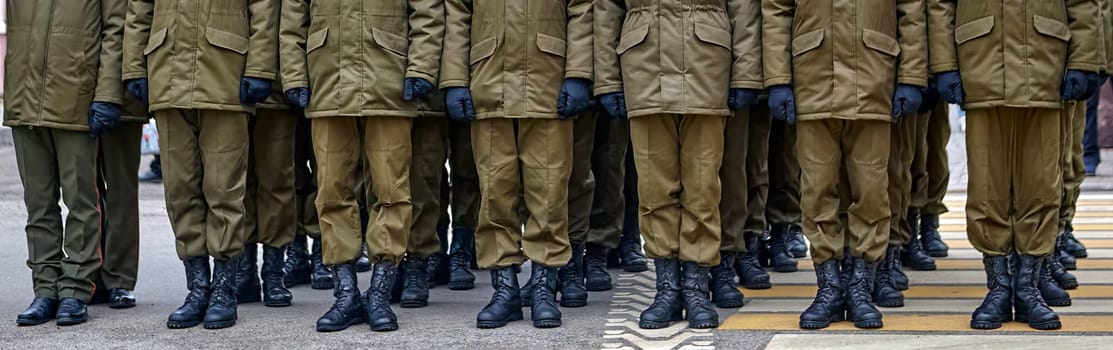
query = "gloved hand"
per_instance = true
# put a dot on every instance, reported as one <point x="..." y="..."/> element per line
<point x="906" y="101"/>
<point x="614" y="103"/>
<point x="1075" y="85"/>
<point x="1093" y="84"/>
<point x="416" y="88"/>
<point x="574" y="96"/>
<point x="103" y="116"/>
<point x="137" y="88"/>
<point x="298" y="96"/>
<point x="949" y="85"/>
<point x="254" y="90"/>
<point x="459" y="104"/>
<point x="931" y="97"/>
<point x="740" y="98"/>
<point x="782" y="103"/>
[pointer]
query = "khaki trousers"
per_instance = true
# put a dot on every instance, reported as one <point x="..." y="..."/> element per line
<point x="783" y="205"/>
<point x="581" y="184"/>
<point x="305" y="180"/>
<point x="862" y="147"/>
<point x="204" y="167"/>
<point x="1016" y="179"/>
<point x="678" y="159"/>
<point x="745" y="177"/>
<point x="271" y="200"/>
<point x="902" y="152"/>
<point x="59" y="164"/>
<point x="373" y="150"/>
<point x="1074" y="168"/>
<point x="608" y="166"/>
<point x="937" y="165"/>
<point x="463" y="179"/>
<point x="119" y="185"/>
<point x="430" y="151"/>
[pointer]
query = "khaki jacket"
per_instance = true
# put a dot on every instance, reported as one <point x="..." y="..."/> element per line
<point x="194" y="53"/>
<point x="62" y="55"/>
<point x="669" y="60"/>
<point x="1106" y="17"/>
<point x="515" y="54"/>
<point x="844" y="58"/>
<point x="354" y="55"/>
<point x="1014" y="53"/>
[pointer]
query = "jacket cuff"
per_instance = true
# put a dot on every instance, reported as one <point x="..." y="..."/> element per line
<point x="606" y="89"/>
<point x="578" y="74"/>
<point x="914" y="81"/>
<point x="290" y="85"/>
<point x="774" y="81"/>
<point x="746" y="84"/>
<point x="109" y="99"/>
<point x="416" y="74"/>
<point x="453" y="83"/>
<point x="260" y="74"/>
<point x="1086" y="66"/>
<point x="135" y="75"/>
<point x="943" y="67"/>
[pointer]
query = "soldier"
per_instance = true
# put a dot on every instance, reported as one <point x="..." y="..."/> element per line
<point x="581" y="196"/>
<point x="202" y="93"/>
<point x="745" y="186"/>
<point x="931" y="186"/>
<point x="879" y="66"/>
<point x="1074" y="172"/>
<point x="747" y="265"/>
<point x="464" y="200"/>
<point x="430" y="151"/>
<point x="302" y="264"/>
<point x="362" y="112"/>
<point x="678" y="102"/>
<point x="1011" y="64"/>
<point x="58" y="95"/>
<point x="782" y="209"/>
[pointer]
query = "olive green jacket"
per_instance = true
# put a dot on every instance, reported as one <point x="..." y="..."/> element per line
<point x="671" y="61"/>
<point x="515" y="54"/>
<point x="354" y="55"/>
<point x="1106" y="16"/>
<point x="62" y="55"/>
<point x="844" y="58"/>
<point x="194" y="53"/>
<point x="1014" y="53"/>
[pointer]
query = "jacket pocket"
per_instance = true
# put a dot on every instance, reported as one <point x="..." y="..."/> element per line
<point x="632" y="38"/>
<point x="551" y="45"/>
<point x="713" y="35"/>
<point x="807" y="42"/>
<point x="973" y="30"/>
<point x="881" y="42"/>
<point x="391" y="42"/>
<point x="482" y="50"/>
<point x="226" y="40"/>
<point x="155" y="41"/>
<point x="1051" y="27"/>
<point x="316" y="40"/>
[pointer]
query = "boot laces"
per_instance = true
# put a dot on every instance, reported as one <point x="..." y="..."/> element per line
<point x="459" y="259"/>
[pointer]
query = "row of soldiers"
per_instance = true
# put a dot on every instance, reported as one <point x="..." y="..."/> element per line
<point x="546" y="99"/>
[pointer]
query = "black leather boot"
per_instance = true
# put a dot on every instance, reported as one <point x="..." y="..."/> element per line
<point x="829" y="304"/>
<point x="930" y="239"/>
<point x="667" y="305"/>
<point x="859" y="302"/>
<point x="573" y="293"/>
<point x="506" y="302"/>
<point x="750" y="273"/>
<point x="415" y="290"/>
<point x="1065" y="279"/>
<point x="900" y="279"/>
<point x="595" y="268"/>
<point x="348" y="309"/>
<point x="1049" y="289"/>
<point x="460" y="257"/>
<point x="192" y="311"/>
<point x="915" y="258"/>
<point x="630" y="247"/>
<point x="1029" y="304"/>
<point x="297" y="267"/>
<point x="997" y="308"/>
<point x="526" y="291"/>
<point x="322" y="277"/>
<point x="795" y="241"/>
<point x="545" y="312"/>
<point x="275" y="293"/>
<point x="71" y="311"/>
<point x="41" y="310"/>
<point x="694" y="287"/>
<point x="1072" y="245"/>
<point x="363" y="263"/>
<point x="724" y="290"/>
<point x="1069" y="262"/>
<point x="248" y="289"/>
<point x="222" y="302"/>
<point x="119" y="298"/>
<point x="437" y="270"/>
<point x="779" y="257"/>
<point x="379" y="315"/>
<point x="885" y="291"/>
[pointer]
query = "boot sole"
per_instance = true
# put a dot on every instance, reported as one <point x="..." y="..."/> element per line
<point x="728" y="304"/>
<point x="220" y="324"/>
<point x="1069" y="285"/>
<point x="798" y="255"/>
<point x="413" y="304"/>
<point x="704" y="325"/>
<point x="499" y="324"/>
<point x="385" y="327"/>
<point x="1059" y="302"/>
<point x="1046" y="326"/>
<point x="937" y="253"/>
<point x="283" y="303"/>
<point x="599" y="287"/>
<point x="461" y="285"/>
<point x="758" y="285"/>
<point x="30" y="322"/>
<point x="128" y="305"/>
<point x="573" y="303"/>
<point x="546" y="323"/>
<point x="985" y="325"/>
<point x="71" y="321"/>
<point x="814" y="324"/>
<point x="921" y="267"/>
<point x="322" y="285"/>
<point x="891" y="303"/>
<point x="653" y="324"/>
<point x="635" y="268"/>
<point x="1071" y="267"/>
<point x="868" y="324"/>
<point x="785" y="268"/>
<point x="337" y="328"/>
<point x="181" y="325"/>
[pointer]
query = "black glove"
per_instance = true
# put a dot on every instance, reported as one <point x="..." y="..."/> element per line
<point x="906" y="101"/>
<point x="1093" y="85"/>
<point x="1075" y="85"/>
<point x="931" y="97"/>
<point x="949" y="85"/>
<point x="575" y="93"/>
<point x="254" y="90"/>
<point x="459" y="103"/>
<point x="298" y="96"/>
<point x="782" y="103"/>
<point x="103" y="116"/>
<point x="614" y="103"/>
<point x="416" y="88"/>
<point x="740" y="98"/>
<point x="137" y="88"/>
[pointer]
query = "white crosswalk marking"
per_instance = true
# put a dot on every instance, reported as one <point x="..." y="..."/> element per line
<point x="633" y="293"/>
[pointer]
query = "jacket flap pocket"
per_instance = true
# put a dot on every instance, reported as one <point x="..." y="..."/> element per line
<point x="632" y="38"/>
<point x="390" y="41"/>
<point x="483" y="49"/>
<point x="973" y="29"/>
<point x="806" y="42"/>
<point x="155" y="41"/>
<point x="551" y="44"/>
<point x="316" y="40"/>
<point x="713" y="35"/>
<point x="226" y="40"/>
<point x="881" y="42"/>
<point x="1050" y="27"/>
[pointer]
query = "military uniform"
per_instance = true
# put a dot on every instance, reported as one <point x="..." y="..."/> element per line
<point x="932" y="175"/>
<point x="430" y="151"/>
<point x="464" y="203"/>
<point x="62" y="58"/>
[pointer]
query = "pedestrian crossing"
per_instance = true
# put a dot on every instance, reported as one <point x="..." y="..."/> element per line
<point x="941" y="301"/>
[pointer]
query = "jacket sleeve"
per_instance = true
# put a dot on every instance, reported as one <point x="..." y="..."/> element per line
<point x="110" y="86"/>
<point x="137" y="31"/>
<point x="426" y="39"/>
<point x="913" y="61"/>
<point x="1085" y="43"/>
<point x="262" y="53"/>
<point x="943" y="54"/>
<point x="608" y="17"/>
<point x="745" y="19"/>
<point x="776" y="34"/>
<point x="292" y="33"/>
<point x="579" y="62"/>
<point x="455" y="60"/>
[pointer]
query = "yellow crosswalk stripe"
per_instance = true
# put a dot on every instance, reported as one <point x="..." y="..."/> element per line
<point x="1077" y="227"/>
<point x="921" y="292"/>
<point x="911" y="323"/>
<point x="1089" y="243"/>
<point x="976" y="264"/>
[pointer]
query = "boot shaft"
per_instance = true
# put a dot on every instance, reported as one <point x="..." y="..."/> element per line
<point x="224" y="282"/>
<point x="383" y="276"/>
